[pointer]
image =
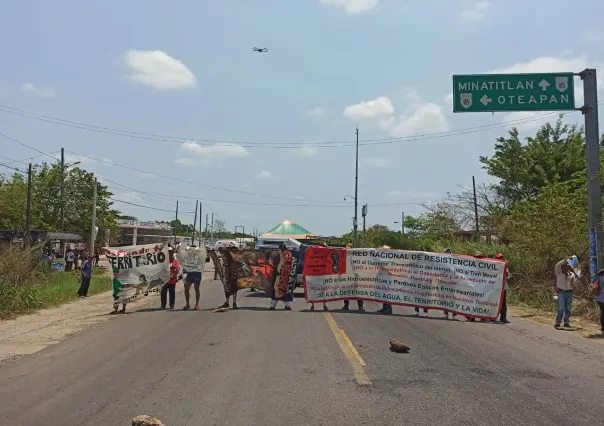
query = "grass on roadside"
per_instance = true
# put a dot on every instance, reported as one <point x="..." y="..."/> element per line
<point x="63" y="287"/>
<point x="27" y="283"/>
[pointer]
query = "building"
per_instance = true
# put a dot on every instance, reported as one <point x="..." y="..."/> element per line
<point x="135" y="232"/>
<point x="13" y="237"/>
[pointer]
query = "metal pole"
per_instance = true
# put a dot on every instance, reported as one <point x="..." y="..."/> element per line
<point x="356" y="194"/>
<point x="206" y="232"/>
<point x="476" y="209"/>
<point x="62" y="201"/>
<point x="28" y="207"/>
<point x="174" y="239"/>
<point x="592" y="152"/>
<point x="212" y="228"/>
<point x="194" y="223"/>
<point x="92" y="230"/>
<point x="200" y="220"/>
<point x="403" y="223"/>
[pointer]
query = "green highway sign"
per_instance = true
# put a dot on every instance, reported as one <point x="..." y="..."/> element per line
<point x="513" y="92"/>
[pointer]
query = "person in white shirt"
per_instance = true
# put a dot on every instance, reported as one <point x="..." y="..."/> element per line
<point x="565" y="279"/>
<point x="69" y="258"/>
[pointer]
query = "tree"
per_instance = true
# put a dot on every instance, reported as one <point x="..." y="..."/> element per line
<point x="46" y="201"/>
<point x="555" y="154"/>
<point x="220" y="230"/>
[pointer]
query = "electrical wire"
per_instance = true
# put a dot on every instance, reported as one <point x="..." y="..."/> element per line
<point x="27" y="146"/>
<point x="145" y="207"/>
<point x="235" y="191"/>
<point x="251" y="144"/>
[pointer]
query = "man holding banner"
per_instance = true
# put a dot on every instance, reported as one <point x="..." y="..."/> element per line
<point x="193" y="260"/>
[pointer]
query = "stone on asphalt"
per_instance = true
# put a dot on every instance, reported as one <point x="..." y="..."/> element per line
<point x="145" y="420"/>
<point x="398" y="346"/>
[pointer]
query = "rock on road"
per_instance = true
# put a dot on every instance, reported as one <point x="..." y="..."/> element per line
<point x="258" y="367"/>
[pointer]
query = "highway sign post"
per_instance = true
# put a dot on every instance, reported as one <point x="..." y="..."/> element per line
<point x="544" y="92"/>
<point x="513" y="92"/>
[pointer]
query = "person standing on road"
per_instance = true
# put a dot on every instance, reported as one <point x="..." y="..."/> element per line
<point x="360" y="303"/>
<point x="565" y="279"/>
<point x="503" y="316"/>
<point x="598" y="295"/>
<point x="386" y="307"/>
<point x="193" y="260"/>
<point x="274" y="291"/>
<point x="86" y="274"/>
<point x="170" y="286"/>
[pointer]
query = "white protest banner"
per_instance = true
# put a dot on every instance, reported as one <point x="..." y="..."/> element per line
<point x="461" y="284"/>
<point x="192" y="259"/>
<point x="146" y="264"/>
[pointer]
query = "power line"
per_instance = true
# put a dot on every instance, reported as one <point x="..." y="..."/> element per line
<point x="199" y="184"/>
<point x="144" y="207"/>
<point x="12" y="168"/>
<point x="251" y="144"/>
<point x="27" y="146"/>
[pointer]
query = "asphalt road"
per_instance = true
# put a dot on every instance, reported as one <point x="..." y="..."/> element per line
<point x="258" y="367"/>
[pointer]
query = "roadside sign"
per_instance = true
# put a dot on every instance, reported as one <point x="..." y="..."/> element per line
<point x="513" y="92"/>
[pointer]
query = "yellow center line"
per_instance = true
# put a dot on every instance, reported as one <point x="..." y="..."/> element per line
<point x="352" y="356"/>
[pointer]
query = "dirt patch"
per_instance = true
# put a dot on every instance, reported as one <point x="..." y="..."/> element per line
<point x="581" y="326"/>
<point x="28" y="334"/>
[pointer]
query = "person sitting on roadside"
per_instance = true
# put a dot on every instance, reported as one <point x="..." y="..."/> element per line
<point x="565" y="279"/>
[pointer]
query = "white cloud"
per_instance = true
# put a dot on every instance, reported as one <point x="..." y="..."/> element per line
<point x="265" y="174"/>
<point x="317" y="112"/>
<point x="378" y="112"/>
<point x="419" y="117"/>
<point x="308" y="151"/>
<point x="352" y="7"/>
<point x="189" y="162"/>
<point x="206" y="154"/>
<point x="44" y="92"/>
<point x="427" y="118"/>
<point x="448" y="99"/>
<point x="159" y="70"/>
<point x="476" y="13"/>
<point x="375" y="162"/>
<point x="72" y="159"/>
<point x="145" y="175"/>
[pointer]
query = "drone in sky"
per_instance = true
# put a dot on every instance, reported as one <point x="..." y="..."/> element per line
<point x="260" y="49"/>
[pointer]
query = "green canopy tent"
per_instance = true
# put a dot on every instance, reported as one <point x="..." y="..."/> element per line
<point x="288" y="229"/>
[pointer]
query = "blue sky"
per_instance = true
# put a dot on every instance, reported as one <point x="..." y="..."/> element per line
<point x="257" y="124"/>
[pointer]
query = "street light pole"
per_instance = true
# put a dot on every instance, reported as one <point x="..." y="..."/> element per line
<point x="355" y="226"/>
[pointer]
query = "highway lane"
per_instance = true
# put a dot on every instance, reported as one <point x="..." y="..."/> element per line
<point x="254" y="366"/>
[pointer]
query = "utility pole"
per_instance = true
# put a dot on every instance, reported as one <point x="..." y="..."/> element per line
<point x="28" y="207"/>
<point x="402" y="223"/>
<point x="206" y="225"/>
<point x="355" y="227"/>
<point x="200" y="220"/>
<point x="93" y="229"/>
<point x="62" y="200"/>
<point x="212" y="228"/>
<point x="475" y="210"/>
<point x="194" y="223"/>
<point x="592" y="152"/>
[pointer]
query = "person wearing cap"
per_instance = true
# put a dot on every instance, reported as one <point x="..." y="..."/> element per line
<point x="565" y="279"/>
<point x="288" y="296"/>
<point x="170" y="285"/>
<point x="599" y="295"/>
<point x="503" y="316"/>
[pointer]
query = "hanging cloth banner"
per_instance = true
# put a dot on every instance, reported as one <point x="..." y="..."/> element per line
<point x="144" y="266"/>
<point x="463" y="285"/>
<point x="192" y="259"/>
<point x="239" y="269"/>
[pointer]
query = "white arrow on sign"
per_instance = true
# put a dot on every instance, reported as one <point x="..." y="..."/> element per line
<point x="486" y="100"/>
<point x="544" y="84"/>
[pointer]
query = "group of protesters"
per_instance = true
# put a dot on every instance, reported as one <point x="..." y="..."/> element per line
<point x="566" y="271"/>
